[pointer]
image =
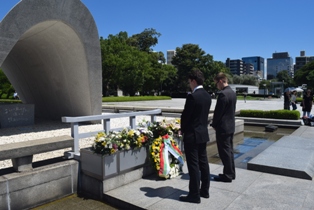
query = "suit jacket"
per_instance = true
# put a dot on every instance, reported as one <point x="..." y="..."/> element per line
<point x="224" y="114"/>
<point x="194" y="118"/>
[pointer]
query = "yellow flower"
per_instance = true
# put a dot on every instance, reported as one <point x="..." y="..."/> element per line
<point x="100" y="134"/>
<point x="140" y="139"/>
<point x="131" y="133"/>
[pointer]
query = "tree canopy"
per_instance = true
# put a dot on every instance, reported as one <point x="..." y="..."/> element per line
<point x="191" y="56"/>
<point x="245" y="80"/>
<point x="145" y="41"/>
<point x="5" y="85"/>
<point x="129" y="63"/>
<point x="284" y="76"/>
<point x="305" y="75"/>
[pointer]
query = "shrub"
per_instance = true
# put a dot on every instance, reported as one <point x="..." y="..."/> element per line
<point x="274" y="114"/>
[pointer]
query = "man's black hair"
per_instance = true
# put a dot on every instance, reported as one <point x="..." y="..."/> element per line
<point x="198" y="76"/>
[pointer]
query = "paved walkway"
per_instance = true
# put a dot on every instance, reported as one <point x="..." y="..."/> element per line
<point x="267" y="104"/>
<point x="250" y="190"/>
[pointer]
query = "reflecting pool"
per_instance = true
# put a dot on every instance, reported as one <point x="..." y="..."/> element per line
<point x="248" y="144"/>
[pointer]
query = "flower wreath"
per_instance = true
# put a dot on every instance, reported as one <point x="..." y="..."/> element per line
<point x="166" y="156"/>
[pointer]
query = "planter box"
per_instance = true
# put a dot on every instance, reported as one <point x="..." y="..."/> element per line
<point x="98" y="166"/>
<point x="104" y="167"/>
<point x="132" y="159"/>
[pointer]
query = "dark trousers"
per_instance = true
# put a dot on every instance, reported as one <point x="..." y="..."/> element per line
<point x="286" y="105"/>
<point x="225" y="150"/>
<point x="196" y="158"/>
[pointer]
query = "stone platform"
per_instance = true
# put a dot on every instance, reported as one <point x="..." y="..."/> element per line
<point x="290" y="156"/>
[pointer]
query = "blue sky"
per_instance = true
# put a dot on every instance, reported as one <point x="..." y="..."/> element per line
<point x="225" y="28"/>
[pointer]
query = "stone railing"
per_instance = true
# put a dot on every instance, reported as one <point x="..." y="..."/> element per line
<point x="76" y="121"/>
<point x="21" y="153"/>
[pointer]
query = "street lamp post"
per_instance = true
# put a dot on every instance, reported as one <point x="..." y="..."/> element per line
<point x="264" y="90"/>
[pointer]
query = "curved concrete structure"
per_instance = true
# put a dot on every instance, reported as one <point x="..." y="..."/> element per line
<point x="50" y="52"/>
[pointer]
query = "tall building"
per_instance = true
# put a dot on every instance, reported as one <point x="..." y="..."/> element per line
<point x="279" y="62"/>
<point x="170" y="54"/>
<point x="248" y="69"/>
<point x="258" y="64"/>
<point x="302" y="60"/>
<point x="235" y="66"/>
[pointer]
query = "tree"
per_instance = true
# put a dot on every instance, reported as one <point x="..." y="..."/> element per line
<point x="284" y="76"/>
<point x="112" y="50"/>
<point x="158" y="73"/>
<point x="250" y="80"/>
<point x="145" y="40"/>
<point x="135" y="70"/>
<point x="130" y="64"/>
<point x="5" y="85"/>
<point x="123" y="66"/>
<point x="245" y="80"/>
<point x="191" y="56"/>
<point x="213" y="70"/>
<point x="267" y="84"/>
<point x="237" y="79"/>
<point x="305" y="75"/>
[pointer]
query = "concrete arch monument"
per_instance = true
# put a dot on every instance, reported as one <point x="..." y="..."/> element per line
<point x="50" y="52"/>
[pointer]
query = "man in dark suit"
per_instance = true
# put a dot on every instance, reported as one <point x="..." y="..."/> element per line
<point x="224" y="125"/>
<point x="194" y="126"/>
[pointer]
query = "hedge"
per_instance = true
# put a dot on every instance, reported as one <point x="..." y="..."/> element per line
<point x="275" y="114"/>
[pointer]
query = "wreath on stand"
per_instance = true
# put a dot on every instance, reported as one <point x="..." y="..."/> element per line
<point x="166" y="156"/>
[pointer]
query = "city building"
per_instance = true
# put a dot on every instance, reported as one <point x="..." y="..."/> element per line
<point x="170" y="54"/>
<point x="248" y="69"/>
<point x="302" y="60"/>
<point x="279" y="62"/>
<point x="258" y="64"/>
<point x="235" y="66"/>
<point x="240" y="88"/>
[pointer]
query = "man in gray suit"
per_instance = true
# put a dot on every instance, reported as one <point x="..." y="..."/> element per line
<point x="194" y="126"/>
<point x="224" y="125"/>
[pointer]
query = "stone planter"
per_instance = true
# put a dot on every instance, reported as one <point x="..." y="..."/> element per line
<point x="132" y="159"/>
<point x="104" y="167"/>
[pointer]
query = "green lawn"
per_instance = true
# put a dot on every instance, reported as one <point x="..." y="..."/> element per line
<point x="134" y="98"/>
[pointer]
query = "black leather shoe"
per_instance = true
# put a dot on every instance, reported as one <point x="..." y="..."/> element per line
<point x="222" y="175"/>
<point x="222" y="179"/>
<point x="190" y="199"/>
<point x="204" y="195"/>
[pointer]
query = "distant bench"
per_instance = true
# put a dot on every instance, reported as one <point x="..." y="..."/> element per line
<point x="21" y="153"/>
